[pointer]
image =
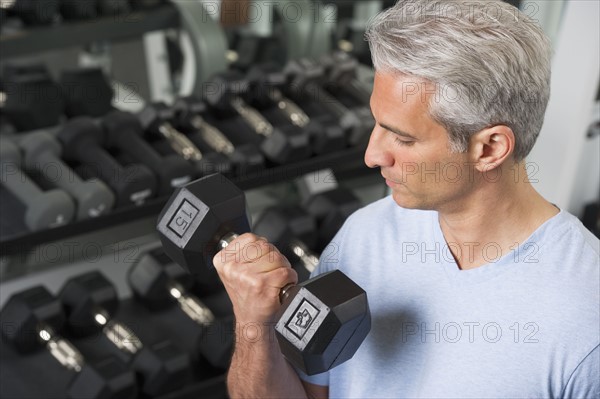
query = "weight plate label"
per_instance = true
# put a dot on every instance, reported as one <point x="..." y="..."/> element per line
<point x="302" y="318"/>
<point x="183" y="217"/>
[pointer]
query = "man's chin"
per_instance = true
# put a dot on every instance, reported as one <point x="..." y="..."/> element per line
<point x="403" y="201"/>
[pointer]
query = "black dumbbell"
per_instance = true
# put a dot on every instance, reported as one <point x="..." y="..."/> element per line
<point x="156" y="120"/>
<point x="81" y="139"/>
<point x="189" y="113"/>
<point x="90" y="302"/>
<point x="42" y="153"/>
<point x="322" y="321"/>
<point x="330" y="210"/>
<point x="294" y="232"/>
<point x="34" y="12"/>
<point x="159" y="286"/>
<point x="45" y="209"/>
<point x="86" y="91"/>
<point x="124" y="132"/>
<point x="225" y="91"/>
<point x="32" y="100"/>
<point x="266" y="83"/>
<point x="341" y="72"/>
<point x="305" y="79"/>
<point x="31" y="320"/>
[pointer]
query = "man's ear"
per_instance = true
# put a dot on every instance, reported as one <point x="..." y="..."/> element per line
<point x="491" y="147"/>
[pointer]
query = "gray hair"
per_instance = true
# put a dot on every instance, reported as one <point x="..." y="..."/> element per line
<point x="490" y="64"/>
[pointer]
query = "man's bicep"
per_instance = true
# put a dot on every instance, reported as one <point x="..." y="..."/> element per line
<point x="315" y="391"/>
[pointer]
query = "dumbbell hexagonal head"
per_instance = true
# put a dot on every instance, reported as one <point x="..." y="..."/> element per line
<point x="85" y="295"/>
<point x="23" y="315"/>
<point x="197" y="216"/>
<point x="320" y="327"/>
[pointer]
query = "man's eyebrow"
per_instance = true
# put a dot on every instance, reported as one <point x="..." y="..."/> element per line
<point x="398" y="131"/>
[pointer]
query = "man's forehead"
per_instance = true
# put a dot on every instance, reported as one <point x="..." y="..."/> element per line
<point x="393" y="91"/>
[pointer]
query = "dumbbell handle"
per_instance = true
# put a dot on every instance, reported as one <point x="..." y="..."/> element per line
<point x="179" y="142"/>
<point x="308" y="258"/>
<point x="119" y="334"/>
<point x="258" y="123"/>
<point x="294" y="113"/>
<point x="62" y="350"/>
<point x="19" y="183"/>
<point x="70" y="183"/>
<point x="91" y="153"/>
<point x="212" y="136"/>
<point x="191" y="305"/>
<point x="228" y="238"/>
<point x="130" y="142"/>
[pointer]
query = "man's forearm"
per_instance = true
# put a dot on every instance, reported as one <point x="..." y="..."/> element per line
<point x="258" y="369"/>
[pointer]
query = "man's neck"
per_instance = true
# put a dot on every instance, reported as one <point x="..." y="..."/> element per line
<point x="493" y="221"/>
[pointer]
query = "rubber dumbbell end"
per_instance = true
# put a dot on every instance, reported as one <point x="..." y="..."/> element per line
<point x="320" y="328"/>
<point x="197" y="215"/>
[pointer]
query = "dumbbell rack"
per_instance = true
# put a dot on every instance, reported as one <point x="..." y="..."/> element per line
<point x="50" y="380"/>
<point x="119" y="27"/>
<point x="18" y="241"/>
<point x="128" y="223"/>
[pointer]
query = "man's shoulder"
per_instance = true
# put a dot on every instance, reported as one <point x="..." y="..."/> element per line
<point x="566" y="231"/>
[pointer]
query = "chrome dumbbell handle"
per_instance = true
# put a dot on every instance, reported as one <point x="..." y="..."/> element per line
<point x="62" y="350"/>
<point x="180" y="143"/>
<point x="191" y="305"/>
<point x="212" y="136"/>
<point x="294" y="113"/>
<point x="308" y="258"/>
<point x="258" y="123"/>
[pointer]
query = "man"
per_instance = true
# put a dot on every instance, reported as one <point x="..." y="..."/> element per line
<point x="478" y="286"/>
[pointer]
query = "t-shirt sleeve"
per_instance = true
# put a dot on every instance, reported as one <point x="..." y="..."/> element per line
<point x="585" y="380"/>
<point x="317" y="379"/>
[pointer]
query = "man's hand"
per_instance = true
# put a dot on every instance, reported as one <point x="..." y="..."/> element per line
<point x="253" y="272"/>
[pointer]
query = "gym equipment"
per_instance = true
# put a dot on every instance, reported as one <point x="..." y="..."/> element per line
<point x="81" y="139"/>
<point x="244" y="158"/>
<point x="293" y="232"/>
<point x="305" y="78"/>
<point x="156" y="120"/>
<point x="319" y="327"/>
<point x="341" y="71"/>
<point x="90" y="302"/>
<point x="124" y="132"/>
<point x="330" y="210"/>
<point x="266" y="83"/>
<point x="86" y="91"/>
<point x="42" y="153"/>
<point x="113" y="7"/>
<point x="224" y="93"/>
<point x="78" y="9"/>
<point x="159" y="286"/>
<point x="352" y="24"/>
<point x="32" y="99"/>
<point x="33" y="12"/>
<point x="45" y="209"/>
<point x="31" y="320"/>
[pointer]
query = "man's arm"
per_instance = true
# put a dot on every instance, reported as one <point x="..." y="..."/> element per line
<point x="253" y="273"/>
<point x="259" y="370"/>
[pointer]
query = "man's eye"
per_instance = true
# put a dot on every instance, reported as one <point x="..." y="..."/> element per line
<point x="403" y="142"/>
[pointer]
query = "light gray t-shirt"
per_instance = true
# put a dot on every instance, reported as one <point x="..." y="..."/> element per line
<point x="525" y="325"/>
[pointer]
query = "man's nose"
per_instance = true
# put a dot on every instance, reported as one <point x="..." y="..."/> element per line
<point x="378" y="154"/>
